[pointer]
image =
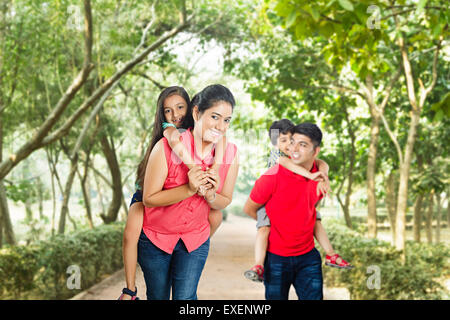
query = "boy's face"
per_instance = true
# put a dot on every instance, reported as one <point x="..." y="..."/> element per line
<point x="283" y="142"/>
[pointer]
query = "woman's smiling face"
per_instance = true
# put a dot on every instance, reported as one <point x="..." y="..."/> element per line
<point x="213" y="122"/>
<point x="175" y="108"/>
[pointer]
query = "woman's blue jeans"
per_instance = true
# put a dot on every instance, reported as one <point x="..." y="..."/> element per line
<point x="179" y="271"/>
<point x="303" y="271"/>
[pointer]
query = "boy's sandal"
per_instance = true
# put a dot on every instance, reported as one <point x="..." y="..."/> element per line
<point x="130" y="293"/>
<point x="331" y="261"/>
<point x="255" y="274"/>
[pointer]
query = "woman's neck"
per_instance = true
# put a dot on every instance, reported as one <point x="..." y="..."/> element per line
<point x="203" y="148"/>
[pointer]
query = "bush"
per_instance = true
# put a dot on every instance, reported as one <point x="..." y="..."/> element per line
<point x="40" y="271"/>
<point x="418" y="278"/>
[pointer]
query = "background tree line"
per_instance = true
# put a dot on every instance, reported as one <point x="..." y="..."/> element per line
<point x="79" y="81"/>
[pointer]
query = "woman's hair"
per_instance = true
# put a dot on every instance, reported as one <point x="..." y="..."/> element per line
<point x="157" y="132"/>
<point x="211" y="94"/>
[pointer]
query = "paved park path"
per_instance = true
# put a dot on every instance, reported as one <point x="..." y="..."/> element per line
<point x="231" y="253"/>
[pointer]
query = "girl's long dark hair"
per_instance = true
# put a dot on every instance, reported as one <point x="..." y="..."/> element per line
<point x="157" y="132"/>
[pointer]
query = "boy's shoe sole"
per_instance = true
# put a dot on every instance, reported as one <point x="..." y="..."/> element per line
<point x="252" y="275"/>
<point x="339" y="267"/>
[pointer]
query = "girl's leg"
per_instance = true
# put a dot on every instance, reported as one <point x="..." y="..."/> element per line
<point x="186" y="270"/>
<point x="215" y="219"/>
<point x="262" y="237"/>
<point x="330" y="258"/>
<point x="155" y="265"/>
<point x="130" y="243"/>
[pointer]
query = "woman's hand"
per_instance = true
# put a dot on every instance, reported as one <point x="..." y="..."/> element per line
<point x="197" y="177"/>
<point x="213" y="181"/>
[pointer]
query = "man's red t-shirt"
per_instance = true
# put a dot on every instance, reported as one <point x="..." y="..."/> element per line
<point x="290" y="201"/>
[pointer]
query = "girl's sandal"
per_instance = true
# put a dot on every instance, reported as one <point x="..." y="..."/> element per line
<point x="255" y="274"/>
<point x="331" y="261"/>
<point x="130" y="293"/>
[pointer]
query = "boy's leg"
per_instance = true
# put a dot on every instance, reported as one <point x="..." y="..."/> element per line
<point x="215" y="219"/>
<point x="262" y="236"/>
<point x="256" y="273"/>
<point x="308" y="280"/>
<point x="278" y="277"/>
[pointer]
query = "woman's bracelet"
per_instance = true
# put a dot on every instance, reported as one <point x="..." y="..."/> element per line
<point x="214" y="198"/>
<point x="168" y="124"/>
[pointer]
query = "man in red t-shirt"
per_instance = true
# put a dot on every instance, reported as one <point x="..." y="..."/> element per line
<point x="290" y="202"/>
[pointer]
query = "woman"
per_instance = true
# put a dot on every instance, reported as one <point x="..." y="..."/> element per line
<point x="174" y="242"/>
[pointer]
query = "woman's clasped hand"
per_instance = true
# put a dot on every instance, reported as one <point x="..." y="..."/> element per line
<point x="203" y="182"/>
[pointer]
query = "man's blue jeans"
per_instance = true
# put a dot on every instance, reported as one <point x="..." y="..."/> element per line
<point x="303" y="271"/>
<point x="180" y="270"/>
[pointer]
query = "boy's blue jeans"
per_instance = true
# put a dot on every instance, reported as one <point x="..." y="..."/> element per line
<point x="180" y="270"/>
<point x="303" y="271"/>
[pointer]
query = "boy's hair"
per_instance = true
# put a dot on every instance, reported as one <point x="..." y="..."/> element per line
<point x="310" y="130"/>
<point x="283" y="126"/>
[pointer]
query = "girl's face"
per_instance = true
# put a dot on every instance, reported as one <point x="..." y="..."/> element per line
<point x="213" y="122"/>
<point x="175" y="108"/>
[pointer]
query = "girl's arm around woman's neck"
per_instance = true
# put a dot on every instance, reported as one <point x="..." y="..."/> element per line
<point x="224" y="198"/>
<point x="155" y="176"/>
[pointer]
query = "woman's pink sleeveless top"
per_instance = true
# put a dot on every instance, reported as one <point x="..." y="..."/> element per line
<point x="188" y="219"/>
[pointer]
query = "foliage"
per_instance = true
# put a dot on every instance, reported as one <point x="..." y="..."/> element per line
<point x="418" y="278"/>
<point x="40" y="271"/>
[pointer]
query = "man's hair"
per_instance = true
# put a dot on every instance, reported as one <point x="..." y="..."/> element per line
<point x="278" y="127"/>
<point x="310" y="130"/>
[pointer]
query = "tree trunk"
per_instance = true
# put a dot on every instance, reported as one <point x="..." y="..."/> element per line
<point x="125" y="208"/>
<point x="370" y="174"/>
<point x="402" y="201"/>
<point x="391" y="202"/>
<point x="448" y="212"/>
<point x="1" y="228"/>
<point x="111" y="159"/>
<point x="6" y="228"/>
<point x="52" y="176"/>
<point x="346" y="210"/>
<point x="8" y="231"/>
<point x="438" y="219"/>
<point x="40" y="197"/>
<point x="100" y="194"/>
<point x="417" y="224"/>
<point x="86" y="198"/>
<point x="416" y="109"/>
<point x="2" y="210"/>
<point x="351" y="166"/>
<point x="429" y="218"/>
<point x="66" y="195"/>
<point x="28" y="211"/>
